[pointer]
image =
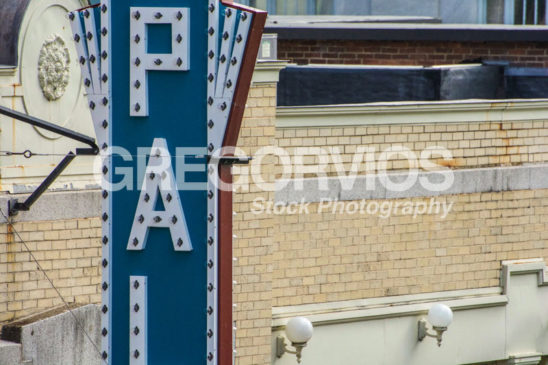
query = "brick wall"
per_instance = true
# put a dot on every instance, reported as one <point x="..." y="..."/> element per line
<point x="254" y="235"/>
<point x="69" y="251"/>
<point x="320" y="257"/>
<point x="417" y="53"/>
<point x="325" y="257"/>
<point x="471" y="144"/>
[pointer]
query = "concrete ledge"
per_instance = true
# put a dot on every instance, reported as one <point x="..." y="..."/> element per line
<point x="7" y="71"/>
<point x="58" y="339"/>
<point x="388" y="307"/>
<point x="524" y="267"/>
<point x="351" y="28"/>
<point x="10" y="353"/>
<point x="57" y="206"/>
<point x="530" y="359"/>
<point x="469" y="181"/>
<point x="455" y="111"/>
<point x="268" y="72"/>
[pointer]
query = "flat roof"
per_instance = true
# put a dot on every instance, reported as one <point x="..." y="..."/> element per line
<point x="398" y="29"/>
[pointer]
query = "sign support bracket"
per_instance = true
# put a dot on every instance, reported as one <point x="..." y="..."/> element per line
<point x="230" y="160"/>
<point x="14" y="206"/>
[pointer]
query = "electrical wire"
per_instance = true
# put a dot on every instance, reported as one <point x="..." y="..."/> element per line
<point x="29" y="154"/>
<point x="78" y="323"/>
<point x="50" y="165"/>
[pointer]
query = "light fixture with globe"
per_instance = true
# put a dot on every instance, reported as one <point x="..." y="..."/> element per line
<point x="299" y="331"/>
<point x="440" y="317"/>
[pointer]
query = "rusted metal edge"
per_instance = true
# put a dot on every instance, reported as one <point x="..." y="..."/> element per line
<point x="225" y="350"/>
<point x="225" y="280"/>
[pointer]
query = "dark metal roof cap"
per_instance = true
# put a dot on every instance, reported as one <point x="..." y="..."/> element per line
<point x="398" y="29"/>
<point x="11" y="17"/>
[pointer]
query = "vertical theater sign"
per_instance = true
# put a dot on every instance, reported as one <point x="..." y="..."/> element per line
<point x="167" y="82"/>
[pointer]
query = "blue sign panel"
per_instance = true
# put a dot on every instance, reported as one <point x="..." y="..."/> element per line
<point x="168" y="106"/>
<point x="166" y="81"/>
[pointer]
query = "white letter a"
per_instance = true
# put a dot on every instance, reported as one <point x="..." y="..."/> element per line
<point x="159" y="182"/>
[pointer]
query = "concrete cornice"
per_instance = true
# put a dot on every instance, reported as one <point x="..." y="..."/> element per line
<point x="458" y="111"/>
<point x="7" y="71"/>
<point x="465" y="181"/>
<point x="522" y="267"/>
<point x="268" y="71"/>
<point x="370" y="29"/>
<point x="389" y="307"/>
<point x="57" y="206"/>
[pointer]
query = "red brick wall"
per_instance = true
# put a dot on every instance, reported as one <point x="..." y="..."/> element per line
<point x="420" y="53"/>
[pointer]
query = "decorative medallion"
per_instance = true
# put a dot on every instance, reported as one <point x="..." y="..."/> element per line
<point x="53" y="68"/>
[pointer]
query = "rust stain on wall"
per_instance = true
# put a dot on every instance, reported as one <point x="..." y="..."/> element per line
<point x="10" y="252"/>
<point x="453" y="163"/>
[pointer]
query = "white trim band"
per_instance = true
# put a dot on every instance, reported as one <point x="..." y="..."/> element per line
<point x="458" y="111"/>
<point x="469" y="181"/>
<point x="388" y="307"/>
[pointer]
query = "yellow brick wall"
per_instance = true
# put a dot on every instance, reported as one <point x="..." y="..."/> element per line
<point x="314" y="258"/>
<point x="471" y="144"/>
<point x="69" y="251"/>
<point x="254" y="234"/>
<point x="325" y="257"/>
